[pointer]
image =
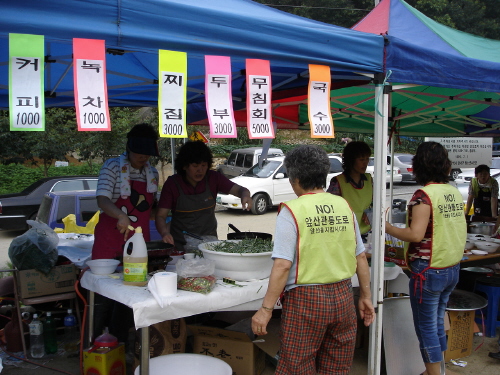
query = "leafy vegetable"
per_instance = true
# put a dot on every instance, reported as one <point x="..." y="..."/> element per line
<point x="245" y="246"/>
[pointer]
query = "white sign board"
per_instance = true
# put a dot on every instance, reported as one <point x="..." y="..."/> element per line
<point x="466" y="152"/>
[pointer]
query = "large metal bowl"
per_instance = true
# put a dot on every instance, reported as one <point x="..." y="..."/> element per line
<point x="482" y="228"/>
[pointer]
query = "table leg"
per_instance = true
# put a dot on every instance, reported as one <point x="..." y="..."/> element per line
<point x="91" y="318"/>
<point x="145" y="351"/>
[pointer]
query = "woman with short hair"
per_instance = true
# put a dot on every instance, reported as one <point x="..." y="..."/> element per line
<point x="317" y="249"/>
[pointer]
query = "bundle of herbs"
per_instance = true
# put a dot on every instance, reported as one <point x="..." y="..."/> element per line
<point x="245" y="246"/>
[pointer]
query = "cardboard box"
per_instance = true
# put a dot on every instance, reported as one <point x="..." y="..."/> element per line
<point x="271" y="343"/>
<point x="234" y="348"/>
<point x="460" y="333"/>
<point x="104" y="361"/>
<point x="33" y="283"/>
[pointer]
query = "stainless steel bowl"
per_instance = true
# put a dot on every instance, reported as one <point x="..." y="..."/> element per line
<point x="482" y="228"/>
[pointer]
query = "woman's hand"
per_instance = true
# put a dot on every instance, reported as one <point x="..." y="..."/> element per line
<point x="260" y="320"/>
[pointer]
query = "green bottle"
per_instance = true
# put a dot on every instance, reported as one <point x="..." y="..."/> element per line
<point x="49" y="334"/>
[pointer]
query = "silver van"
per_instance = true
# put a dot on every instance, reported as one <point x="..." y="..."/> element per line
<point x="243" y="159"/>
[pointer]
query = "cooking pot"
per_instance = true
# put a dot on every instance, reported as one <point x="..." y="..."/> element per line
<point x="239" y="235"/>
<point x="482" y="228"/>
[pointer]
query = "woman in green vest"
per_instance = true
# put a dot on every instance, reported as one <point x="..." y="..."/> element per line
<point x="354" y="184"/>
<point x="435" y="236"/>
<point x="317" y="249"/>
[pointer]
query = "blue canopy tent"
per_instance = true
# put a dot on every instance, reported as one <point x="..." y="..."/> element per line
<point x="134" y="31"/>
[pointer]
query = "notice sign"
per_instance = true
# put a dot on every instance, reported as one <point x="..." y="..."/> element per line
<point x="466" y="152"/>
<point x="26" y="89"/>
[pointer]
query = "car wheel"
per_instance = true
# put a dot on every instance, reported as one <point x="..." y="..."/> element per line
<point x="455" y="173"/>
<point x="259" y="204"/>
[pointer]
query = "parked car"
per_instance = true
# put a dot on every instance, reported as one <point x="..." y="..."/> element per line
<point x="242" y="159"/>
<point x="16" y="208"/>
<point x="404" y="163"/>
<point x="269" y="184"/>
<point x="55" y="206"/>
<point x="397" y="177"/>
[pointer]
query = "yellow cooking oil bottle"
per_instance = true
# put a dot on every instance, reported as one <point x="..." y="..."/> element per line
<point x="135" y="260"/>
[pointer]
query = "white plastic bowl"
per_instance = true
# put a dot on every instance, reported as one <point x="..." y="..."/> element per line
<point x="468" y="245"/>
<point x="103" y="266"/>
<point x="490" y="247"/>
<point x="187" y="363"/>
<point x="479" y="252"/>
<point x="478" y="237"/>
<point x="239" y="267"/>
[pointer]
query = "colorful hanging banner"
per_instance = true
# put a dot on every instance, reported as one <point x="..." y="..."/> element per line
<point x="259" y="92"/>
<point x="172" y="66"/>
<point x="91" y="91"/>
<point x="218" y="97"/>
<point x="26" y="82"/>
<point x="320" y="116"/>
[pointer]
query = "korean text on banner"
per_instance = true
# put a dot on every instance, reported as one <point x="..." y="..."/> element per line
<point x="259" y="91"/>
<point x="320" y="116"/>
<point x="218" y="97"/>
<point x="172" y="67"/>
<point x="91" y="92"/>
<point x="26" y="82"/>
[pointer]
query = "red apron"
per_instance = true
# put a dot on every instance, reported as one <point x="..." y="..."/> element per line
<point x="108" y="241"/>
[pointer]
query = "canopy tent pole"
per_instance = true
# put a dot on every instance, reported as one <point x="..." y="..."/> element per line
<point x="378" y="227"/>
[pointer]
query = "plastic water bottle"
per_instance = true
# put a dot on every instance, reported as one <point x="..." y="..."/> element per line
<point x="37" y="346"/>
<point x="71" y="337"/>
<point x="50" y="335"/>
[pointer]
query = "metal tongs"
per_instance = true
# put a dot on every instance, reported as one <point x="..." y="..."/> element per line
<point x="192" y="235"/>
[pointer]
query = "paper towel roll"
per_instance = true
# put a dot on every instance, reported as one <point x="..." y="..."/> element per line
<point x="166" y="283"/>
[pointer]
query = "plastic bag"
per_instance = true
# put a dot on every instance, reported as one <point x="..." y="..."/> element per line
<point x="70" y="225"/>
<point x="196" y="275"/>
<point x="36" y="248"/>
<point x="192" y="243"/>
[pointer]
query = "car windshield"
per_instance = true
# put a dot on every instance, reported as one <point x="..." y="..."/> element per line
<point x="268" y="168"/>
<point x="370" y="161"/>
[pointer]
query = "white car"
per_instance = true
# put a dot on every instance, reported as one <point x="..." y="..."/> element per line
<point x="269" y="185"/>
<point x="397" y="177"/>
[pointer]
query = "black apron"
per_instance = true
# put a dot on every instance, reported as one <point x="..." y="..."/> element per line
<point x="482" y="203"/>
<point x="194" y="214"/>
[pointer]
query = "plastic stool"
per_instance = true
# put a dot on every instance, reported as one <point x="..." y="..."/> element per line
<point x="491" y="287"/>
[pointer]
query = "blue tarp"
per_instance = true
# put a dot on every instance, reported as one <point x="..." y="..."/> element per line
<point x="237" y="28"/>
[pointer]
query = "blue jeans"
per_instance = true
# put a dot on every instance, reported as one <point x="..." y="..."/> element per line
<point x="428" y="297"/>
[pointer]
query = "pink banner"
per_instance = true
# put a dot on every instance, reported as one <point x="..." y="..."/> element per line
<point x="259" y="92"/>
<point x="218" y="97"/>
<point x="91" y="92"/>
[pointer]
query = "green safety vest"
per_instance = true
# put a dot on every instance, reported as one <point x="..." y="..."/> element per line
<point x="449" y="226"/>
<point x="359" y="199"/>
<point x="326" y="245"/>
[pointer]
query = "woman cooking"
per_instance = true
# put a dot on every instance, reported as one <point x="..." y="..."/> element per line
<point x="436" y="234"/>
<point x="190" y="196"/>
<point x="126" y="191"/>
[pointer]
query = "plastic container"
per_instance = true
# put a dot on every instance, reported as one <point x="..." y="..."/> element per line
<point x="135" y="260"/>
<point x="37" y="346"/>
<point x="49" y="334"/>
<point x="71" y="336"/>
